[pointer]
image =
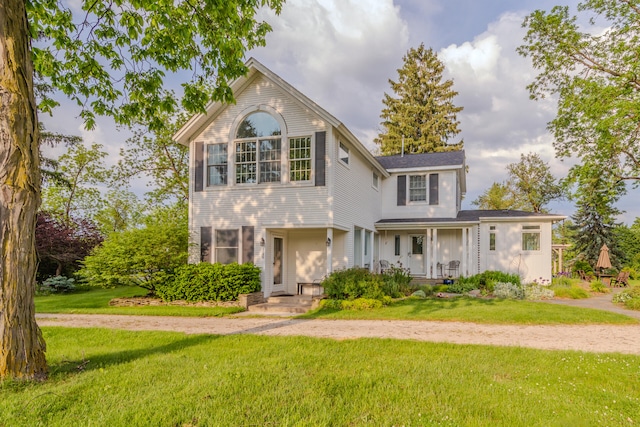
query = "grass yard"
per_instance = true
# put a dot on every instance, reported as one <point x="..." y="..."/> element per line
<point x="466" y="309"/>
<point x="96" y="301"/>
<point x="120" y="378"/>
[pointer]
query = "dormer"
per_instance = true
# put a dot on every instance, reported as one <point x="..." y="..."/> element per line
<point x="429" y="185"/>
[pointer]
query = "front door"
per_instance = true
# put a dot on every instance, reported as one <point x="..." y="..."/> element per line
<point x="278" y="249"/>
<point x="416" y="254"/>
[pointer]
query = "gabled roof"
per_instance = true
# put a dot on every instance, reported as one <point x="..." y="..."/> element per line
<point x="414" y="161"/>
<point x="198" y="121"/>
<point x="425" y="161"/>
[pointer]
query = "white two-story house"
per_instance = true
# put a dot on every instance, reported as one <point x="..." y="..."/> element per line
<point x="278" y="181"/>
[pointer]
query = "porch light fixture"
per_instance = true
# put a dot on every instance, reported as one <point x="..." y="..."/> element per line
<point x="328" y="241"/>
<point x="262" y="241"/>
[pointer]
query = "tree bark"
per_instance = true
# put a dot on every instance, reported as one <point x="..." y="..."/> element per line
<point x="22" y="347"/>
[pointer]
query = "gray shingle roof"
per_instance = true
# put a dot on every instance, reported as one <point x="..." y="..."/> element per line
<point x="471" y="216"/>
<point x="410" y="161"/>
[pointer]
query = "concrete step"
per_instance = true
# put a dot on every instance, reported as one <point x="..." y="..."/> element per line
<point x="279" y="304"/>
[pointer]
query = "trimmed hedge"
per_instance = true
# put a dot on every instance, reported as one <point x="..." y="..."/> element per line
<point x="210" y="282"/>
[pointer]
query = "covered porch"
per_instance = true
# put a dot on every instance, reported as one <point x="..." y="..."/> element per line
<point x="431" y="251"/>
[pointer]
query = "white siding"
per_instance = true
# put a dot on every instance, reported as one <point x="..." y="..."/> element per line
<point x="447" y="203"/>
<point x="509" y="256"/>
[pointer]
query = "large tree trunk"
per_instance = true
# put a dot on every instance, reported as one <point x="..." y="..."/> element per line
<point x="22" y="347"/>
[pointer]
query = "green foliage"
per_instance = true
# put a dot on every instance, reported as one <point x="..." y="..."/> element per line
<point x="508" y="291"/>
<point x="561" y="281"/>
<point x="81" y="170"/>
<point x="497" y="197"/>
<point x="355" y="283"/>
<point x="396" y="282"/>
<point x="537" y="291"/>
<point x="630" y="298"/>
<point x="572" y="291"/>
<point x="593" y="74"/>
<point x="422" y="110"/>
<point x="210" y="282"/>
<point x="533" y="184"/>
<point x="483" y="281"/>
<point x="143" y="257"/>
<point x="121" y="211"/>
<point x="599" y="287"/>
<point x="357" y="304"/>
<point x="112" y="59"/>
<point x="584" y="266"/>
<point x="57" y="284"/>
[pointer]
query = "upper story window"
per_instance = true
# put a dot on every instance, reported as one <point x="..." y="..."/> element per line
<point x="217" y="164"/>
<point x="375" y="180"/>
<point x="300" y="159"/>
<point x="530" y="237"/>
<point x="258" y="149"/>
<point x="343" y="153"/>
<point x="418" y="188"/>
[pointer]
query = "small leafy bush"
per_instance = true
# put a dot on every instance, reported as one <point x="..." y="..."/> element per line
<point x="484" y="281"/>
<point x="598" y="286"/>
<point x="508" y="290"/>
<point x="396" y="282"/>
<point x="354" y="283"/>
<point x="630" y="298"/>
<point x="419" y="294"/>
<point x="537" y="291"/>
<point x="210" y="282"/>
<point x="573" y="292"/>
<point x="356" y="304"/>
<point x="584" y="266"/>
<point x="57" y="284"/>
<point x="561" y="281"/>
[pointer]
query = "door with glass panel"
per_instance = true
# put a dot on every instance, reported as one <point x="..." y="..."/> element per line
<point x="416" y="254"/>
<point x="278" y="264"/>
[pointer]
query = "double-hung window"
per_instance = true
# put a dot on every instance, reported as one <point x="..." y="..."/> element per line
<point x="343" y="153"/>
<point x="226" y="248"/>
<point x="300" y="159"/>
<point x="417" y="188"/>
<point x="530" y="237"/>
<point x="217" y="164"/>
<point x="258" y="149"/>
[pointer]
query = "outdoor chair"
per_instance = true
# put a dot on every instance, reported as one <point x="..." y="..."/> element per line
<point x="583" y="276"/>
<point x="621" y="280"/>
<point x="384" y="265"/>
<point x="453" y="268"/>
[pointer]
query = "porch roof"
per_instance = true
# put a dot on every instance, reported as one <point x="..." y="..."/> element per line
<point x="468" y="217"/>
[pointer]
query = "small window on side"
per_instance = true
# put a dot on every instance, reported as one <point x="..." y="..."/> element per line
<point x="375" y="180"/>
<point x="397" y="245"/>
<point x="343" y="153"/>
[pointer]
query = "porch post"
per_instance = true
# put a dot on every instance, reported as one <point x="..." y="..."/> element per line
<point x="329" y="266"/>
<point x="435" y="248"/>
<point x="465" y="253"/>
<point x="427" y="254"/>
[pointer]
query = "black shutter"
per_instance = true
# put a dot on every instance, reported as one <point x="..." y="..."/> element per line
<point x="199" y="172"/>
<point x="247" y="243"/>
<point x="205" y="244"/>
<point x="433" y="189"/>
<point x="321" y="142"/>
<point x="402" y="190"/>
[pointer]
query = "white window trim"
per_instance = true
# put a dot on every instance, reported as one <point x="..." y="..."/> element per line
<point x="375" y="186"/>
<point x="342" y="162"/>
<point x="288" y="161"/>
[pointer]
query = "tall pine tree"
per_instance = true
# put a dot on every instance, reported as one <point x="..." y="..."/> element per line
<point x="422" y="110"/>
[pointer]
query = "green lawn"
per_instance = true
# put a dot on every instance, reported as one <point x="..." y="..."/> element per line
<point x="112" y="378"/>
<point x="96" y="301"/>
<point x="466" y="309"/>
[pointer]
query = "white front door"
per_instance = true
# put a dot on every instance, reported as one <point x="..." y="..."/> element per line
<point x="416" y="254"/>
<point x="278" y="264"/>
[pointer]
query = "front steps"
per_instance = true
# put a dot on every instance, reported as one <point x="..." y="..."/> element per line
<point x="281" y="305"/>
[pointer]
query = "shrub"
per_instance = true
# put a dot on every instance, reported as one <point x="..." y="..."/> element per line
<point x="561" y="281"/>
<point x="57" y="284"/>
<point x="356" y="304"/>
<point x="573" y="292"/>
<point x="537" y="291"/>
<point x="508" y="291"/>
<point x="396" y="282"/>
<point x="419" y="294"/>
<point x="484" y="281"/>
<point x="356" y="283"/>
<point x="598" y="286"/>
<point x="630" y="298"/>
<point x="210" y="282"/>
<point x="584" y="266"/>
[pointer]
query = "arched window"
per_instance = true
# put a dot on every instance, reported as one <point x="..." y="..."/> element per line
<point x="258" y="149"/>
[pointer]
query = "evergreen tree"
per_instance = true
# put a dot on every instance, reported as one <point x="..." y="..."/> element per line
<point x="422" y="111"/>
<point x="594" y="219"/>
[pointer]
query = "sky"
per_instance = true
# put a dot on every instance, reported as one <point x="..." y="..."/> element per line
<point x="342" y="53"/>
